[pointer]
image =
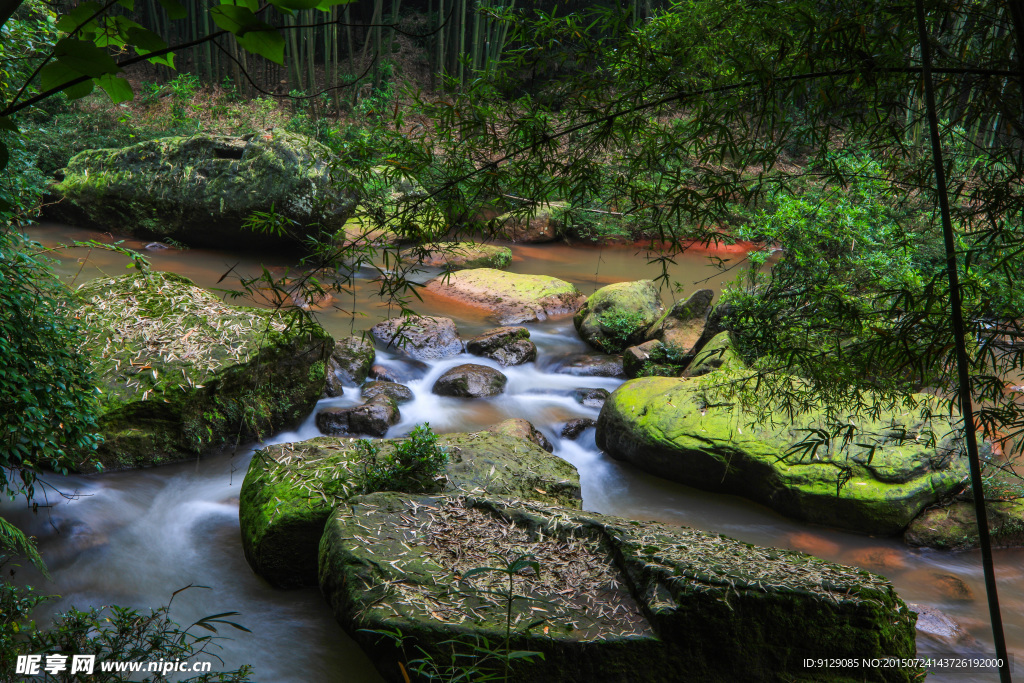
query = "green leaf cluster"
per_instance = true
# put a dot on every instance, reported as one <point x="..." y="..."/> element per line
<point x="411" y="467"/>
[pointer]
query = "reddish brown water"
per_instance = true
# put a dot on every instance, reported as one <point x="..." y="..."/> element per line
<point x="134" y="537"/>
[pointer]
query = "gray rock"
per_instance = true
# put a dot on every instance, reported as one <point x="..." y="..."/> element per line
<point x="590" y="365"/>
<point x="507" y="345"/>
<point x="424" y="338"/>
<point x="591" y="398"/>
<point x="522" y="429"/>
<point x="573" y="428"/>
<point x="470" y="381"/>
<point x="353" y="358"/>
<point x="372" y="418"/>
<point x="398" y="392"/>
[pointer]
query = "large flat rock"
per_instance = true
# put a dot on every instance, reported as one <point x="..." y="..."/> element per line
<point x="290" y="490"/>
<point x="512" y="298"/>
<point x="182" y="373"/>
<point x="614" y="600"/>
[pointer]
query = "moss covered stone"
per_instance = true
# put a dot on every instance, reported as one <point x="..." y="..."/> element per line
<point x="955" y="526"/>
<point x="181" y="372"/>
<point x="201" y="189"/>
<point x="614" y="600"/>
<point x="460" y="255"/>
<point x="618" y="316"/>
<point x="876" y="484"/>
<point x="512" y="298"/>
<point x="291" y="489"/>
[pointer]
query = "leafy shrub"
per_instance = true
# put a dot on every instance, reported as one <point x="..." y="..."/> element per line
<point x="411" y="465"/>
<point x="620" y="328"/>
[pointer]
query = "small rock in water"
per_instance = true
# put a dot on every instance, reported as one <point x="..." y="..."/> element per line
<point x="591" y="365"/>
<point x="156" y="246"/>
<point x="812" y="544"/>
<point x="876" y="558"/>
<point x="335" y="387"/>
<point x="507" y="345"/>
<point x="470" y="381"/>
<point x="573" y="428"/>
<point x="938" y="625"/>
<point x="373" y="418"/>
<point x="591" y="398"/>
<point x="420" y="337"/>
<point x="399" y="372"/>
<point x="399" y="392"/>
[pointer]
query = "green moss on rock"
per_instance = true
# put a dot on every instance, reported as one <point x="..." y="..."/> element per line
<point x="614" y="601"/>
<point x="618" y="315"/>
<point x="460" y="255"/>
<point x="201" y="189"/>
<point x="955" y="526"/>
<point x="291" y="489"/>
<point x="664" y="426"/>
<point x="513" y="298"/>
<point x="182" y="373"/>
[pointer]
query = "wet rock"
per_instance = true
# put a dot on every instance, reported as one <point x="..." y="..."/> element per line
<point x="938" y="625"/>
<point x="422" y="338"/>
<point x="955" y="526"/>
<point x="576" y="426"/>
<point x="590" y="365"/>
<point x="399" y="393"/>
<point x="718" y="321"/>
<point x="470" y="381"/>
<point x="591" y="398"/>
<point x="663" y="426"/>
<point x="171" y="393"/>
<point x="398" y="371"/>
<point x="290" y="490"/>
<point x="459" y="255"/>
<point x="156" y="246"/>
<point x="373" y="418"/>
<point x="335" y="387"/>
<point x="949" y="586"/>
<point x="682" y="327"/>
<point x="647" y="360"/>
<point x="676" y="604"/>
<point x="617" y="316"/>
<point x="522" y="429"/>
<point x="507" y="345"/>
<point x="353" y="357"/>
<point x="512" y="298"/>
<point x="201" y="189"/>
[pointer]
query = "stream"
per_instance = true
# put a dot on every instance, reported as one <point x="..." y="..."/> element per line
<point x="133" y="538"/>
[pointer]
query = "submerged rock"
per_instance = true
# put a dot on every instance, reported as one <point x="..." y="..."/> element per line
<point x="576" y="426"/>
<point x="614" y="600"/>
<point x="291" y="489"/>
<point x="470" y="381"/>
<point x="201" y="189"/>
<point x="182" y="373"/>
<point x="591" y="398"/>
<point x="398" y="371"/>
<point x="617" y="316"/>
<point x="663" y="426"/>
<point x="420" y="337"/>
<point x="522" y="429"/>
<point x="955" y="526"/>
<point x="589" y="365"/>
<point x="507" y="345"/>
<point x="512" y="298"/>
<point x="460" y="255"/>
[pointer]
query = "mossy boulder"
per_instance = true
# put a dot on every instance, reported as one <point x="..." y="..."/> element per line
<point x="955" y="526"/>
<point x="617" y="316"/>
<point x="181" y="372"/>
<point x="614" y="600"/>
<point x="718" y="352"/>
<point x="290" y="490"/>
<point x="536" y="224"/>
<point x="875" y="484"/>
<point x="512" y="298"/>
<point x="399" y="393"/>
<point x="373" y="418"/>
<point x="459" y="255"/>
<point x="683" y="325"/>
<point x="201" y="190"/>
<point x="522" y="429"/>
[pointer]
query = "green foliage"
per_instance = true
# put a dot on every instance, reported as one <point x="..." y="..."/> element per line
<point x="48" y="400"/>
<point x="619" y="327"/>
<point x="111" y="634"/>
<point x="412" y="466"/>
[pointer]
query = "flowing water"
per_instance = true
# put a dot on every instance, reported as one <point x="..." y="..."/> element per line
<point x="133" y="538"/>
